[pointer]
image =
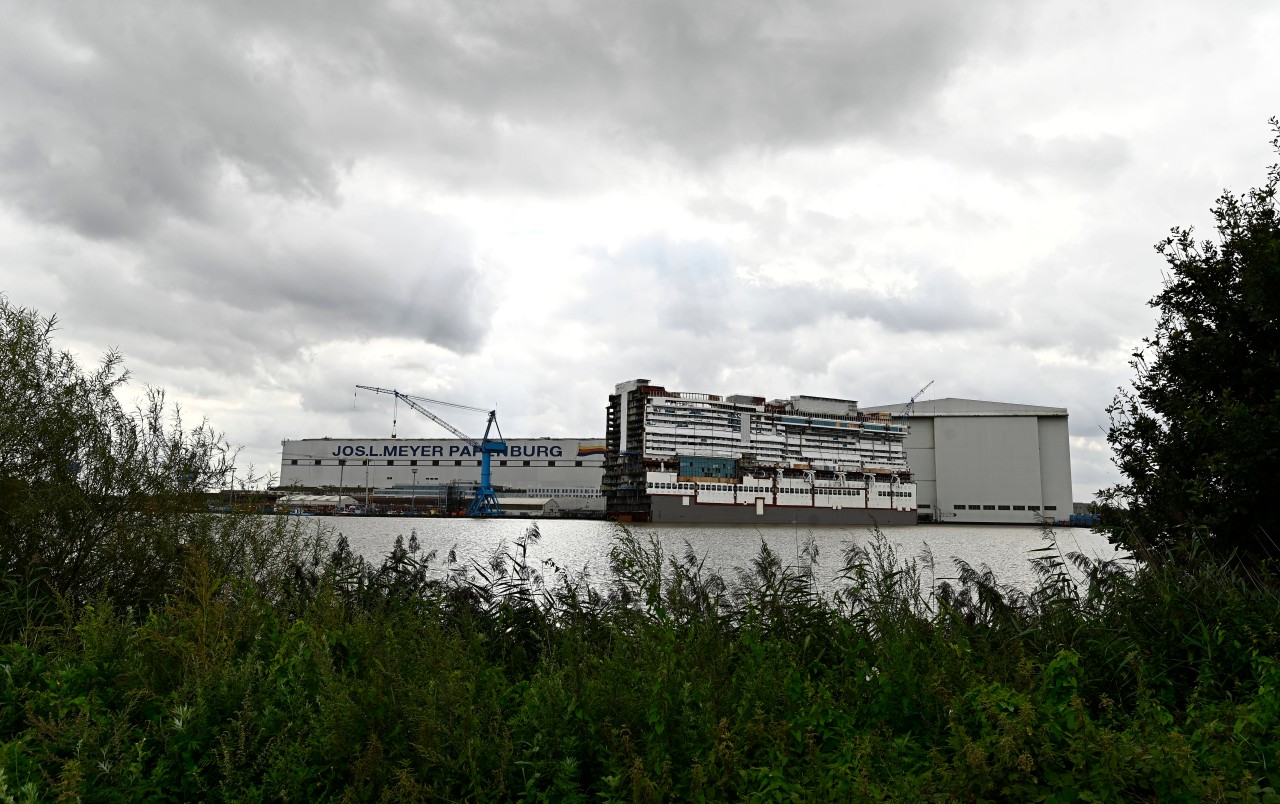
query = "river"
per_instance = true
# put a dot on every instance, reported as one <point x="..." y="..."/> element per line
<point x="577" y="544"/>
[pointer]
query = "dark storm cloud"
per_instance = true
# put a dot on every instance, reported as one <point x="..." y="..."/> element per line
<point x="187" y="139"/>
<point x="165" y="130"/>
<point x="232" y="303"/>
<point x="118" y="116"/>
<point x="699" y="78"/>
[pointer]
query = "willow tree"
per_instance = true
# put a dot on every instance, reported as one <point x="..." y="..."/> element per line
<point x="94" y="498"/>
<point x="1197" y="438"/>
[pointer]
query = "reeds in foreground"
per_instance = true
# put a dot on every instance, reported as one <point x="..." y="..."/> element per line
<point x="280" y="666"/>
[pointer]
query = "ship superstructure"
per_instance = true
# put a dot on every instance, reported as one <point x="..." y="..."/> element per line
<point x="697" y="457"/>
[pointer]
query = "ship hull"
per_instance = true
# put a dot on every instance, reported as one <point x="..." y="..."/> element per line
<point x="671" y="509"/>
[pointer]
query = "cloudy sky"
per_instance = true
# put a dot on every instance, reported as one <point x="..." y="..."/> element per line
<point x="519" y="204"/>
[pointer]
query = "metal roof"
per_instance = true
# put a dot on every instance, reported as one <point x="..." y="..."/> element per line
<point x="952" y="406"/>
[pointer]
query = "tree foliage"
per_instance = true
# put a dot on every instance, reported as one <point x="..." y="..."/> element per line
<point x="1198" y="437"/>
<point x="93" y="498"/>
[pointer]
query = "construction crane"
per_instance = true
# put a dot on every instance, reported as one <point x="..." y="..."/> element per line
<point x="485" y="502"/>
<point x="911" y="404"/>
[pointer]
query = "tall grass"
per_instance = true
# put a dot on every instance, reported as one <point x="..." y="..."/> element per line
<point x="280" y="665"/>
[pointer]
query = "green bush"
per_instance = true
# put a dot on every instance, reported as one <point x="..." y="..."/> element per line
<point x="492" y="682"/>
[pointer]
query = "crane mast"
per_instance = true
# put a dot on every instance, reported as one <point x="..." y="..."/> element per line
<point x="485" y="502"/>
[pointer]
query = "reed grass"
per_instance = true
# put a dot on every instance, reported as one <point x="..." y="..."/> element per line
<point x="279" y="665"/>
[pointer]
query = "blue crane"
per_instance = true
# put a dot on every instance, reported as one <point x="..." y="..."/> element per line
<point x="485" y="502"/>
<point x="910" y="407"/>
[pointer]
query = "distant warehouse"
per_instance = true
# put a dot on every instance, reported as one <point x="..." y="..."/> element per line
<point x="989" y="462"/>
<point x="564" y="470"/>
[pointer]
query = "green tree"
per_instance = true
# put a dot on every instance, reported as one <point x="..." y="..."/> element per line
<point x="94" y="499"/>
<point x="1198" y="437"/>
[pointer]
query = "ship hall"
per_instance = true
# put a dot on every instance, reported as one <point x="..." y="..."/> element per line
<point x="671" y="456"/>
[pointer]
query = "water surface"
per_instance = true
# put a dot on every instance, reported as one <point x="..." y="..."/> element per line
<point x="578" y="544"/>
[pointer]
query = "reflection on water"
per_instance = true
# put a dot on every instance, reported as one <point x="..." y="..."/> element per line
<point x="577" y="544"/>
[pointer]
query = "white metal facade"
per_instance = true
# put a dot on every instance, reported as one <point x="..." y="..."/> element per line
<point x="988" y="462"/>
<point x="546" y="467"/>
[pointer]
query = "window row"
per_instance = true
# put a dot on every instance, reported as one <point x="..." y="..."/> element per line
<point x="1005" y="507"/>
<point x="747" y="489"/>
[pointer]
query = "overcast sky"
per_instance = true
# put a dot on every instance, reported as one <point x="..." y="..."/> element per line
<point x="520" y="204"/>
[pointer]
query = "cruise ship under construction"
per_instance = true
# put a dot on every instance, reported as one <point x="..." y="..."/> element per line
<point x="694" y="457"/>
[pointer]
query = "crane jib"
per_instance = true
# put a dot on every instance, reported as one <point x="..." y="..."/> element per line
<point x="483" y="444"/>
<point x="484" y="502"/>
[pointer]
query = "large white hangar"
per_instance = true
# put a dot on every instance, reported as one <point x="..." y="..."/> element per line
<point x="556" y="468"/>
<point x="989" y="462"/>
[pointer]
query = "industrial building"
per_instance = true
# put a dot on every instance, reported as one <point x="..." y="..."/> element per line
<point x="988" y="462"/>
<point x="810" y="459"/>
<point x="564" y="470"/>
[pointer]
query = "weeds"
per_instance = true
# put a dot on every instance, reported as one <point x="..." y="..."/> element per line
<point x="279" y="666"/>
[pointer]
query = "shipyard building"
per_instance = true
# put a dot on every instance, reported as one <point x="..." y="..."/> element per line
<point x="565" y="471"/>
<point x="673" y="456"/>
<point x="676" y="456"/>
<point x="988" y="462"/>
